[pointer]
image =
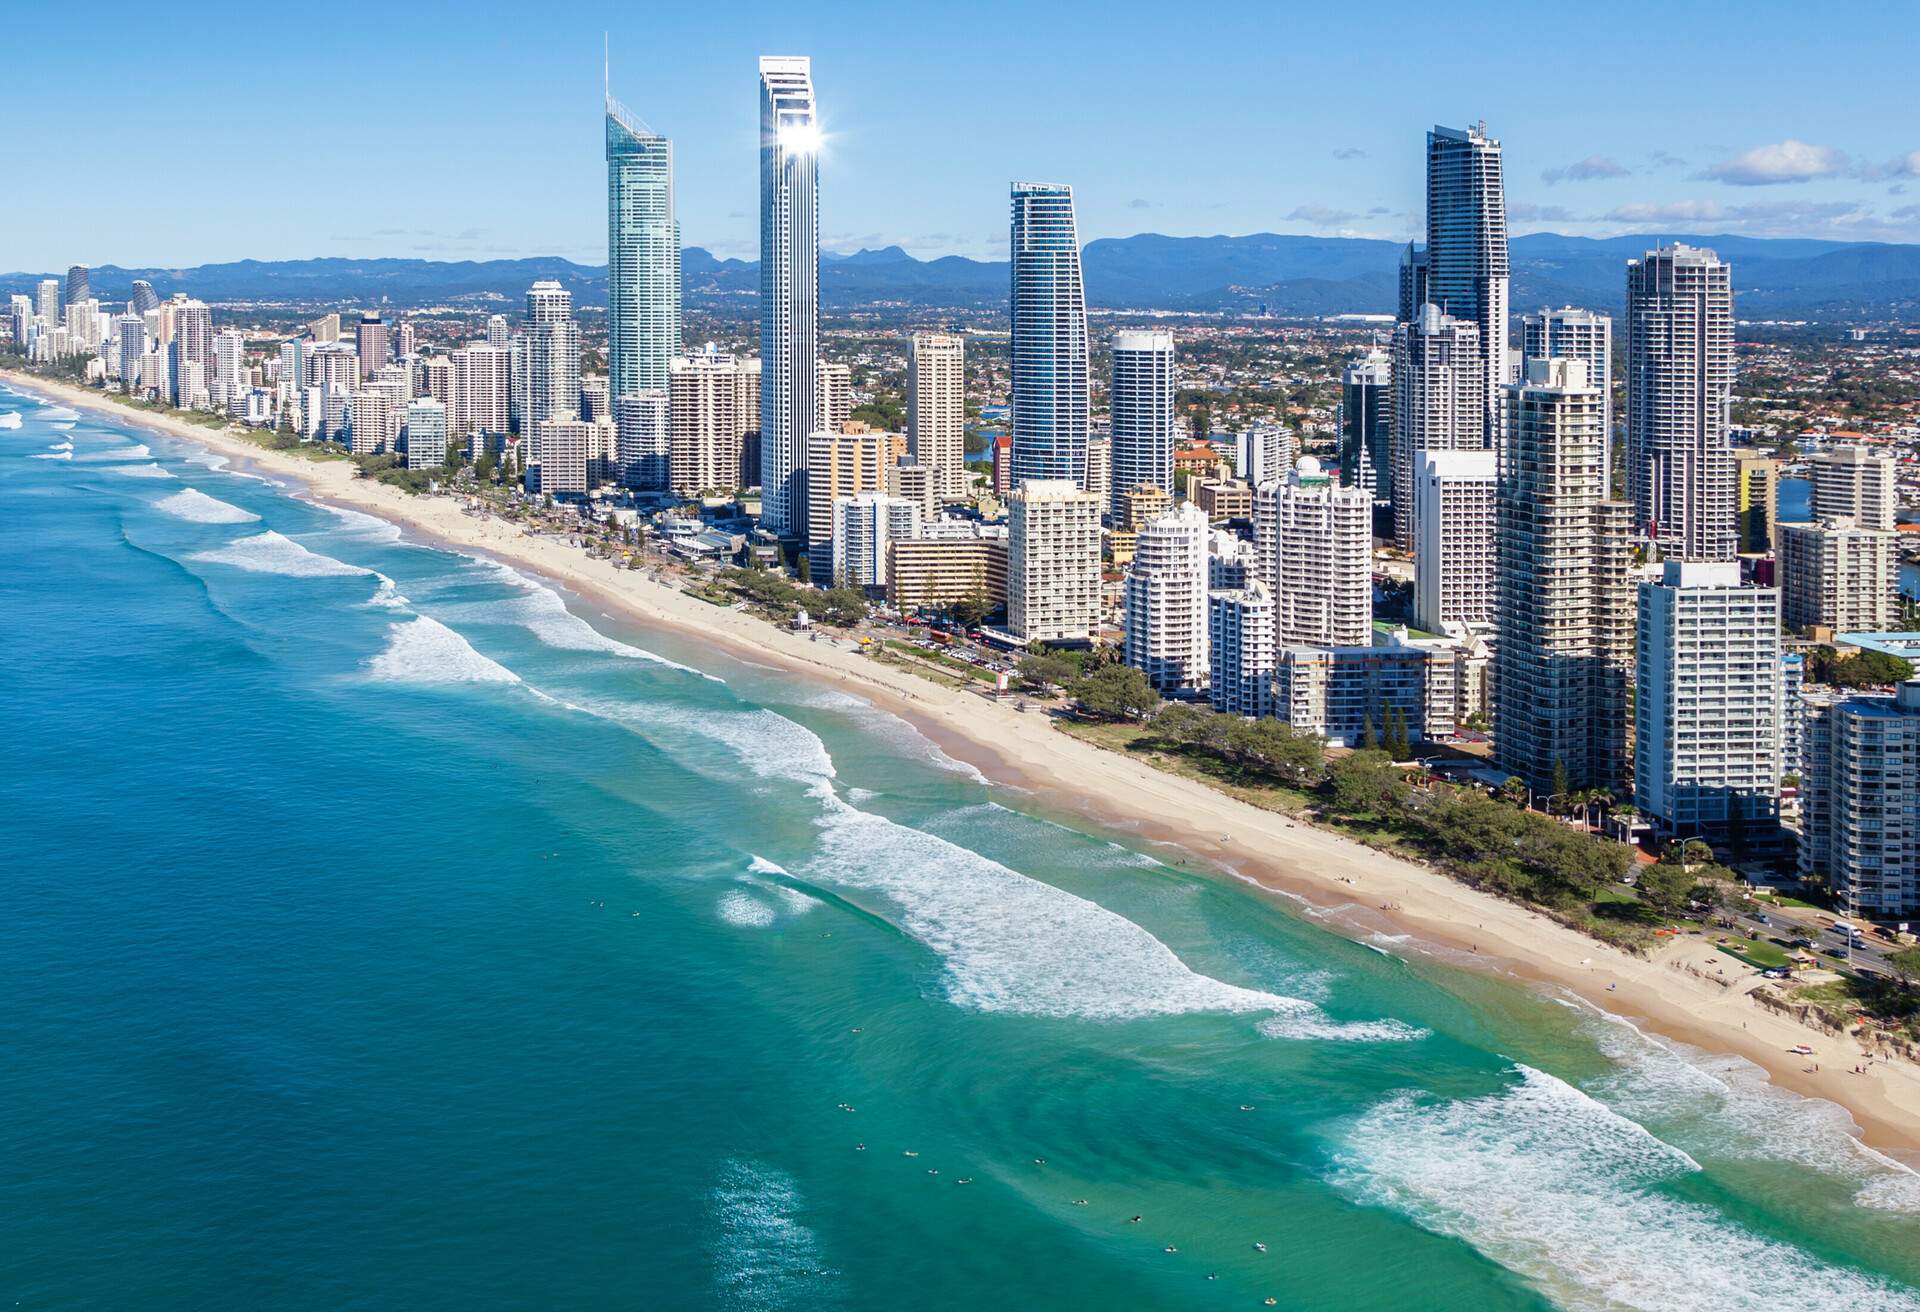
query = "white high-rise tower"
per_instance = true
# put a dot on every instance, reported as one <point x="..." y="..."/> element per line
<point x="1049" y="309"/>
<point x="1143" y="423"/>
<point x="789" y="288"/>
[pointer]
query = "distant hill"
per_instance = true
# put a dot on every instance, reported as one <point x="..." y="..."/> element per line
<point x="1773" y="277"/>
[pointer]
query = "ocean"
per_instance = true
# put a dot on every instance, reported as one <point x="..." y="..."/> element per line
<point x="385" y="928"/>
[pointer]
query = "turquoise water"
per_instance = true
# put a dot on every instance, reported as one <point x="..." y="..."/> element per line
<point x="385" y="929"/>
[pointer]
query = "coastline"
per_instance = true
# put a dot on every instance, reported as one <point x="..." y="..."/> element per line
<point x="1344" y="882"/>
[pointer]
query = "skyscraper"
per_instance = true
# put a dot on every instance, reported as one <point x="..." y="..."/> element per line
<point x="1839" y="574"/>
<point x="144" y="298"/>
<point x="1053" y="562"/>
<point x="643" y="440"/>
<point x="838" y="465"/>
<point x="478" y="391"/>
<point x="1757" y="503"/>
<point x="1049" y="310"/>
<point x="1366" y="424"/>
<point x="497" y="331"/>
<point x="1860" y="794"/>
<point x="1467" y="267"/>
<point x="833" y="393"/>
<point x="643" y="256"/>
<point x="789" y="288"/>
<point x="553" y="362"/>
<point x="1438" y="374"/>
<point x="937" y="409"/>
<point x="47" y="304"/>
<point x="714" y="409"/>
<point x="1563" y="603"/>
<point x="370" y="340"/>
<point x="1143" y="423"/>
<point x="1680" y="472"/>
<point x="1315" y="547"/>
<point x="1706" y="746"/>
<point x="1165" y="601"/>
<point x="426" y="433"/>
<point x="1855" y="482"/>
<point x="1574" y="334"/>
<point x="79" y="284"/>
<point x="1240" y="650"/>
<point x="1453" y="532"/>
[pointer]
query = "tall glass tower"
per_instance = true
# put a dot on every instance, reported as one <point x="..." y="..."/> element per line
<point x="789" y="287"/>
<point x="1049" y="337"/>
<point x="1467" y="271"/>
<point x="643" y="256"/>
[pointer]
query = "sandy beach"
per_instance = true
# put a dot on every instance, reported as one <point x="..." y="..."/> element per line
<point x="1345" y="883"/>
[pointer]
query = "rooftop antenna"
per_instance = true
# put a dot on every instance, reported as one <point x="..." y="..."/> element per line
<point x="606" y="66"/>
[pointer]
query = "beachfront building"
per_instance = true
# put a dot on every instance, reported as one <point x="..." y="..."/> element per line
<point x="1680" y="472"/>
<point x="553" y="364"/>
<point x="1049" y="347"/>
<point x="1563" y="597"/>
<point x="642" y="440"/>
<point x="1342" y="693"/>
<point x="1706" y="723"/>
<point x="568" y="449"/>
<point x="1453" y="517"/>
<point x="370" y="413"/>
<point x="1314" y="547"/>
<point x="1438" y="403"/>
<point x="937" y="409"/>
<point x="1839" y="575"/>
<point x="643" y="256"/>
<point x="477" y="391"/>
<point x="1240" y="650"/>
<point x="1141" y="399"/>
<point x="1053" y="563"/>
<point x="714" y="409"/>
<point x="948" y="563"/>
<point x="1165" y="601"/>
<point x="1857" y="483"/>
<point x="426" y="433"/>
<point x="1860" y="801"/>
<point x="789" y="291"/>
<point x="865" y="527"/>
<point x="838" y="465"/>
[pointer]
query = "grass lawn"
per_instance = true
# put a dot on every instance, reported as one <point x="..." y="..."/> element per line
<point x="1764" y="955"/>
<point x="953" y="663"/>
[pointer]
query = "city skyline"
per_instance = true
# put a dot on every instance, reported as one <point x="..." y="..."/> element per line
<point x="1821" y="167"/>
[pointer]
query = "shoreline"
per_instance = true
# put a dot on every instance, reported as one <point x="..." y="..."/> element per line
<point x="1344" y="883"/>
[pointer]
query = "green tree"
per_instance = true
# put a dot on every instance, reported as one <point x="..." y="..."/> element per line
<point x="1369" y="741"/>
<point x="803" y="569"/>
<point x="1560" y="800"/>
<point x="845" y="607"/>
<point x="1905" y="964"/>
<point x="1115" y="692"/>
<point x="1512" y="789"/>
<point x="1364" y="783"/>
<point x="972" y="610"/>
<point x="1047" y="669"/>
<point x="1666" y="886"/>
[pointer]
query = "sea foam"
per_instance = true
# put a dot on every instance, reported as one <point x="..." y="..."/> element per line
<point x="739" y="908"/>
<point x="119" y="451"/>
<point x="542" y="612"/>
<point x="1550" y="1183"/>
<point x="51" y="455"/>
<point x="271" y="553"/>
<point x="136" y="471"/>
<point x="197" y="507"/>
<point x="10" y="419"/>
<point x="423" y="650"/>
<point x="763" y="1255"/>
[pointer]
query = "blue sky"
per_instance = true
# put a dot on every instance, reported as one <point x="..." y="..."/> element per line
<point x="154" y="135"/>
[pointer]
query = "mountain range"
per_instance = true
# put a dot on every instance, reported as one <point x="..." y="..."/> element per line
<point x="1773" y="277"/>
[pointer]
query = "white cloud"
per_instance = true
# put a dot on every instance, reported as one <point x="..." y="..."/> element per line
<point x="1780" y="162"/>
<point x="1586" y="170"/>
<point x="1321" y="216"/>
